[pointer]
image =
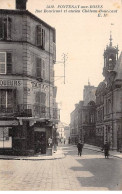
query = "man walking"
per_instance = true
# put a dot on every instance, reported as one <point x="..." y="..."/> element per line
<point x="79" y="146"/>
<point x="106" y="149"/>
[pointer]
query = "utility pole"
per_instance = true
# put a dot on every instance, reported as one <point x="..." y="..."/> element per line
<point x="65" y="57"/>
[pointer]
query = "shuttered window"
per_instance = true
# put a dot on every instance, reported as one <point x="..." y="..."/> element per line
<point x="40" y="68"/>
<point x="43" y="69"/>
<point x="5" y="63"/>
<point x="37" y="100"/>
<point x="2" y="63"/>
<point x="43" y="102"/>
<point x="40" y="37"/>
<point x="5" y="28"/>
<point x="43" y="98"/>
<point x="7" y="99"/>
<point x="9" y="63"/>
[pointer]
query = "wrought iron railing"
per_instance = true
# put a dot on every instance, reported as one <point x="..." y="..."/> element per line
<point x="28" y="110"/>
<point x="5" y="110"/>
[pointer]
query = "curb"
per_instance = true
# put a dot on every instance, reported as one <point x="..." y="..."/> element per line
<point x="103" y="152"/>
<point x="100" y="151"/>
<point x="34" y="159"/>
<point x="31" y="159"/>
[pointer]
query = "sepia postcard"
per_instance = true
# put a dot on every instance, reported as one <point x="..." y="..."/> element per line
<point x="60" y="95"/>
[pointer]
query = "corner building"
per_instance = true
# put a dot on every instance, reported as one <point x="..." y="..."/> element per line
<point x="28" y="108"/>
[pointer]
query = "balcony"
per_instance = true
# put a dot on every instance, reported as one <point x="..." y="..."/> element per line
<point x="24" y="110"/>
<point x="4" y="110"/>
<point x="28" y="110"/>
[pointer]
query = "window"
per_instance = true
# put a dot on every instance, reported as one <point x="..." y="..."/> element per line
<point x="40" y="37"/>
<point x="5" y="28"/>
<point x="109" y="106"/>
<point x="37" y="97"/>
<point x="7" y="100"/>
<point x="5" y="139"/>
<point x="43" y="102"/>
<point x="40" y="68"/>
<point x="54" y="52"/>
<point x="43" y="98"/>
<point x="43" y="69"/>
<point x="5" y="63"/>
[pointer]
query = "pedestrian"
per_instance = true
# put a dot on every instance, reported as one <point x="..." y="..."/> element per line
<point x="79" y="146"/>
<point x="64" y="141"/>
<point x="50" y="142"/>
<point x="106" y="149"/>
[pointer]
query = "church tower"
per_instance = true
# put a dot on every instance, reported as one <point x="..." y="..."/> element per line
<point x="110" y="59"/>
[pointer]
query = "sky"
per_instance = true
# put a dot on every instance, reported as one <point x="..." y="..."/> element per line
<point x="82" y="37"/>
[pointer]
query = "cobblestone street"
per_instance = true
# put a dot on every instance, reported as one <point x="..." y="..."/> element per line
<point x="88" y="172"/>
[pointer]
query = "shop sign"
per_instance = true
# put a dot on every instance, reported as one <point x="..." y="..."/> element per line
<point x="39" y="85"/>
<point x="10" y="82"/>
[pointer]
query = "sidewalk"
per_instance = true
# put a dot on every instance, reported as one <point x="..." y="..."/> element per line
<point x="56" y="155"/>
<point x="98" y="149"/>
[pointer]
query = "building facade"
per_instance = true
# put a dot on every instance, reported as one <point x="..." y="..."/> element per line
<point x="109" y="100"/>
<point x="67" y="133"/>
<point x="83" y="117"/>
<point x="28" y="108"/>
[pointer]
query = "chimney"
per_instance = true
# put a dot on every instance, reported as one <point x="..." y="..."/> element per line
<point x="21" y="4"/>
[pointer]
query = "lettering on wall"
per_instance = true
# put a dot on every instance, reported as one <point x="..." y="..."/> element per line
<point x="43" y="87"/>
<point x="10" y="82"/>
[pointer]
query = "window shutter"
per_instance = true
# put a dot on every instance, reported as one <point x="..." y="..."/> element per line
<point x="38" y="67"/>
<point x="9" y="63"/>
<point x="43" y="39"/>
<point x="2" y="63"/>
<point x="43" y="98"/>
<point x="43" y="102"/>
<point x="1" y="28"/>
<point x="5" y="28"/>
<point x="9" y="22"/>
<point x="54" y="51"/>
<point x="37" y="100"/>
<point x="15" y="97"/>
<point x="39" y="36"/>
<point x="43" y="69"/>
<point x="3" y="98"/>
<point x="10" y="99"/>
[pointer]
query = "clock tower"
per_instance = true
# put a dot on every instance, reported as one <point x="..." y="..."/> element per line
<point x="110" y="59"/>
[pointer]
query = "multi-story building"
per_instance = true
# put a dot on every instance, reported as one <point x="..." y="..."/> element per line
<point x="74" y="127"/>
<point x="89" y="93"/>
<point x="28" y="108"/>
<point x="82" y="119"/>
<point x="109" y="100"/>
<point x="99" y="122"/>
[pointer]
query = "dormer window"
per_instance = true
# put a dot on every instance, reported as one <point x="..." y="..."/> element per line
<point x="5" y="28"/>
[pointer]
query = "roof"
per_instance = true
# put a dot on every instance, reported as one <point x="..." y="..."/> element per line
<point x="26" y="12"/>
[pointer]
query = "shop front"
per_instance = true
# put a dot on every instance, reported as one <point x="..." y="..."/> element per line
<point x="6" y="138"/>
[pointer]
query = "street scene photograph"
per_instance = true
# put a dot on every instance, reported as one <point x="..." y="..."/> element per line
<point x="60" y="95"/>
